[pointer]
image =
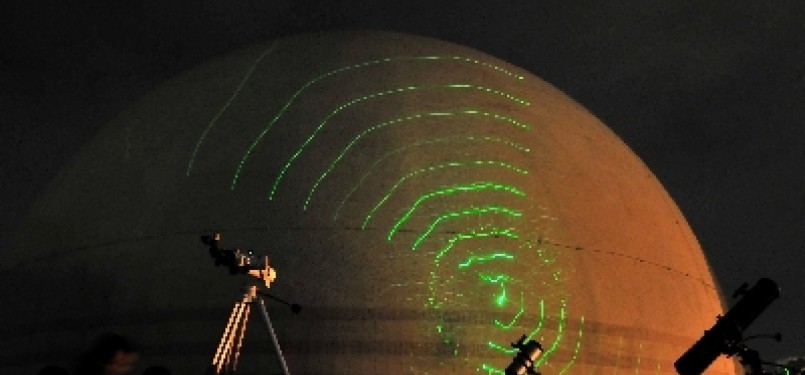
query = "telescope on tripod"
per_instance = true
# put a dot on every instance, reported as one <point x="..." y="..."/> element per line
<point x="225" y="359"/>
<point x="726" y="335"/>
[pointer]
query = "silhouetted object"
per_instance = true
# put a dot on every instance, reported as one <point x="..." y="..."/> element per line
<point x="110" y="354"/>
<point x="753" y="364"/>
<point x="726" y="336"/>
<point x="750" y="359"/>
<point x="523" y="362"/>
<point x="239" y="261"/>
<point x="225" y="360"/>
<point x="157" y="370"/>
<point x="793" y="365"/>
<point x="236" y="259"/>
<point x="294" y="307"/>
<point x="53" y="370"/>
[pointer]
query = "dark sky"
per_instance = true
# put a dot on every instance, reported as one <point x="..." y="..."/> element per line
<point x="709" y="94"/>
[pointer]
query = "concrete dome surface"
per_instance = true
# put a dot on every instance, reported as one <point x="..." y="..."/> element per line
<point x="427" y="204"/>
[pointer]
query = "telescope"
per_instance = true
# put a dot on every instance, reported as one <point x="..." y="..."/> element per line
<point x="523" y="362"/>
<point x="726" y="335"/>
<point x="239" y="261"/>
<point x="225" y="359"/>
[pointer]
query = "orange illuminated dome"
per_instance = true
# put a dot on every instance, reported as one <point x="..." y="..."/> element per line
<point x="426" y="203"/>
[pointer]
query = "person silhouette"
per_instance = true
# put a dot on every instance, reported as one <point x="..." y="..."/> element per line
<point x="109" y="354"/>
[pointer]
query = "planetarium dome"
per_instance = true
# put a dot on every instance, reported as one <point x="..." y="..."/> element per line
<point x="427" y="204"/>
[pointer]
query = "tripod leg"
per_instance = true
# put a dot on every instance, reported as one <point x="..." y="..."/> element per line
<point x="273" y="336"/>
<point x="229" y="353"/>
<point x="242" y="333"/>
<point x="222" y="344"/>
<point x="224" y="347"/>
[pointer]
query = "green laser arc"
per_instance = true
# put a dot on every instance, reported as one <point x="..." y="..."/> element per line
<point x="492" y="370"/>
<point x="570" y="363"/>
<point x="405" y="148"/>
<point x="543" y="359"/>
<point x="226" y="106"/>
<point x="520" y="312"/>
<point x="491" y="209"/>
<point x="547" y="354"/>
<point x="436" y="167"/>
<point x="475" y="259"/>
<point x="375" y="95"/>
<point x="449" y="190"/>
<point x="562" y="321"/>
<point x="541" y="322"/>
<point x="482" y="233"/>
<point x="506" y="283"/>
<point x="500" y="279"/>
<point x="530" y="336"/>
<point x="483" y="259"/>
<point x="501" y="348"/>
<point x="423" y="116"/>
<point x="343" y="69"/>
<point x="451" y="243"/>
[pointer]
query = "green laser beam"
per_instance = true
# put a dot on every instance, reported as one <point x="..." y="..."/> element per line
<point x="484" y="258"/>
<point x="450" y="190"/>
<point x="516" y="317"/>
<point x="465" y="212"/>
<point x="375" y="95"/>
<point x="556" y="341"/>
<point x="421" y="116"/>
<point x="226" y="106"/>
<point x="343" y="69"/>
<point x="437" y="167"/>
<point x="575" y="351"/>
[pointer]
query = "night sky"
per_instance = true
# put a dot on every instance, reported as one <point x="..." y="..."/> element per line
<point x="710" y="95"/>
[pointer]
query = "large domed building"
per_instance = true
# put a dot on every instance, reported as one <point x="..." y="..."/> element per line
<point x="426" y="204"/>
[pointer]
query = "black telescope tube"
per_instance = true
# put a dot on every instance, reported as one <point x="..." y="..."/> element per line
<point x="753" y="303"/>
<point x="699" y="357"/>
<point x="728" y="329"/>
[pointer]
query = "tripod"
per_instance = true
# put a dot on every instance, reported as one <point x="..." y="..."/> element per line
<point x="226" y="356"/>
<point x="237" y="261"/>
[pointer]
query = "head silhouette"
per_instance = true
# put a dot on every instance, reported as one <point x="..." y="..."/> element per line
<point x="109" y="354"/>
